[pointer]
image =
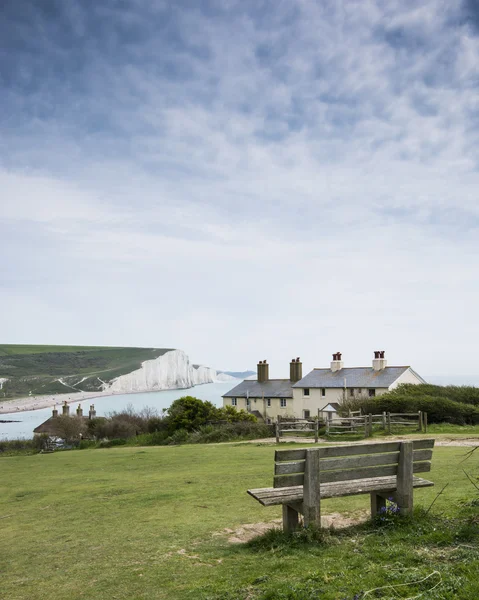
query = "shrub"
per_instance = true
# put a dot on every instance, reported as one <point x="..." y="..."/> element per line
<point x="180" y="436"/>
<point x="112" y="443"/>
<point x="402" y="400"/>
<point x="189" y="413"/>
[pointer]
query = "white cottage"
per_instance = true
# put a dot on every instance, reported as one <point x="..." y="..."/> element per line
<point x="322" y="389"/>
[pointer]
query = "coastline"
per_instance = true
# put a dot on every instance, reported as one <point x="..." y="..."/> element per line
<point x="50" y="400"/>
<point x="38" y="402"/>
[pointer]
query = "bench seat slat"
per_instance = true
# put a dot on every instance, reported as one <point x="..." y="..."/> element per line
<point x="287" y="495"/>
<point x="350" y="462"/>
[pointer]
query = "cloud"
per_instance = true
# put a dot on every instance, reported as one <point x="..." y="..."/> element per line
<point x="242" y="178"/>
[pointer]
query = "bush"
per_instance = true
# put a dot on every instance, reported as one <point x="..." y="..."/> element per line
<point x="439" y="409"/>
<point x="17" y="446"/>
<point x="242" y="430"/>
<point x="180" y="436"/>
<point x="112" y="443"/>
<point x="189" y="413"/>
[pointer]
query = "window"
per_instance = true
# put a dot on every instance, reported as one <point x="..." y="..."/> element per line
<point x="268" y="401"/>
<point x="234" y="402"/>
<point x="372" y="392"/>
<point x="351" y="392"/>
<point x="248" y="402"/>
<point x="282" y="403"/>
<point x="306" y="414"/>
<point x="306" y="392"/>
<point x="323" y="392"/>
<point x="360" y="391"/>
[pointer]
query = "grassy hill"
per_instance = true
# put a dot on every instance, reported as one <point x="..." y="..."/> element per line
<point x="62" y="369"/>
<point x="153" y="524"/>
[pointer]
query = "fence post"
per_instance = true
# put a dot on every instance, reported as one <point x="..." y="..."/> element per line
<point x="419" y="421"/>
<point x="370" y="425"/>
<point x="365" y="425"/>
<point x="389" y="422"/>
<point x="384" y="420"/>
<point x="424" y="416"/>
<point x="316" y="431"/>
<point x="327" y="425"/>
<point x="277" y="433"/>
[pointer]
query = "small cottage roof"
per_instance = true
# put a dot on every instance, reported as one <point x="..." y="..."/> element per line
<point x="251" y="388"/>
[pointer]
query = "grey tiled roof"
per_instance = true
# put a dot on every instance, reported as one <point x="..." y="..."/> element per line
<point x="274" y="388"/>
<point x="357" y="377"/>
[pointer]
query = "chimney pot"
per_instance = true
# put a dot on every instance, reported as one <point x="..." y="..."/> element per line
<point x="379" y="361"/>
<point x="337" y="363"/>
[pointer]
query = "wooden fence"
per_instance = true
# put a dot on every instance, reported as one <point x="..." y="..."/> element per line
<point x="387" y="421"/>
<point x="297" y="426"/>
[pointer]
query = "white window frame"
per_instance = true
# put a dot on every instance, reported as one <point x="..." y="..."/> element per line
<point x="306" y="392"/>
<point x="234" y="402"/>
<point x="323" y="392"/>
<point x="282" y="403"/>
<point x="268" y="402"/>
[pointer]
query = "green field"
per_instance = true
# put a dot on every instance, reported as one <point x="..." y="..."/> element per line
<point x="149" y="523"/>
<point x="36" y="370"/>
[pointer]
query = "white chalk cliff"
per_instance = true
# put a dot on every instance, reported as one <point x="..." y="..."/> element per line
<point x="169" y="371"/>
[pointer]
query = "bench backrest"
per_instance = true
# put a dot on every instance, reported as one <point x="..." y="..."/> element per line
<point x="344" y="463"/>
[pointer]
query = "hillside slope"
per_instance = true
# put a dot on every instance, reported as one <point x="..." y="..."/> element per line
<point x="38" y="370"/>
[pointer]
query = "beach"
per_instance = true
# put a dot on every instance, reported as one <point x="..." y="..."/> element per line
<point x="39" y="402"/>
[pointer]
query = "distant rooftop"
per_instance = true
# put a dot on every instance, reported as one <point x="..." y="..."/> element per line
<point x="251" y="388"/>
<point x="352" y="377"/>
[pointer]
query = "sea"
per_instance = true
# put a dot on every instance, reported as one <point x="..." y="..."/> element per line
<point x="23" y="423"/>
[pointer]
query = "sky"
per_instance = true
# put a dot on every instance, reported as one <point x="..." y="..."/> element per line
<point x="243" y="179"/>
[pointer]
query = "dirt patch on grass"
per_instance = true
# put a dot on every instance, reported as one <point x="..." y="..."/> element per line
<point x="247" y="532"/>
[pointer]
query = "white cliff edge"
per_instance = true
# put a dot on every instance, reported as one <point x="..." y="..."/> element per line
<point x="169" y="371"/>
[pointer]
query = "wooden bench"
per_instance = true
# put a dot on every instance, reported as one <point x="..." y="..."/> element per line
<point x="384" y="470"/>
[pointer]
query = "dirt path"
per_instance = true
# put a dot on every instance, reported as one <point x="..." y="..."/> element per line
<point x="442" y="439"/>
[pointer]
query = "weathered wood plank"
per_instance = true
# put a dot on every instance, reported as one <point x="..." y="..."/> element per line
<point x="289" y="455"/>
<point x="369" y="460"/>
<point x="288" y="480"/>
<point x="364" y="461"/>
<point x="311" y="490"/>
<point x="404" y="492"/>
<point x="386" y="485"/>
<point x="367" y="472"/>
<point x="356" y="449"/>
<point x="292" y="467"/>
<point x="358" y="473"/>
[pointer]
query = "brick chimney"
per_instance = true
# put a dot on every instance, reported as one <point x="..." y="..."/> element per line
<point x="263" y="371"/>
<point x="55" y="412"/>
<point x="295" y="370"/>
<point x="65" y="409"/>
<point x="79" y="411"/>
<point x="337" y="364"/>
<point x="92" y="412"/>
<point x="379" y="362"/>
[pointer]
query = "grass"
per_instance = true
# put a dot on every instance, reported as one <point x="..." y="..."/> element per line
<point x="35" y="370"/>
<point x="149" y="523"/>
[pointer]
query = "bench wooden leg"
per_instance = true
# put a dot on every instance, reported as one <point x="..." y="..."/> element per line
<point x="377" y="502"/>
<point x="405" y="488"/>
<point x="290" y="519"/>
